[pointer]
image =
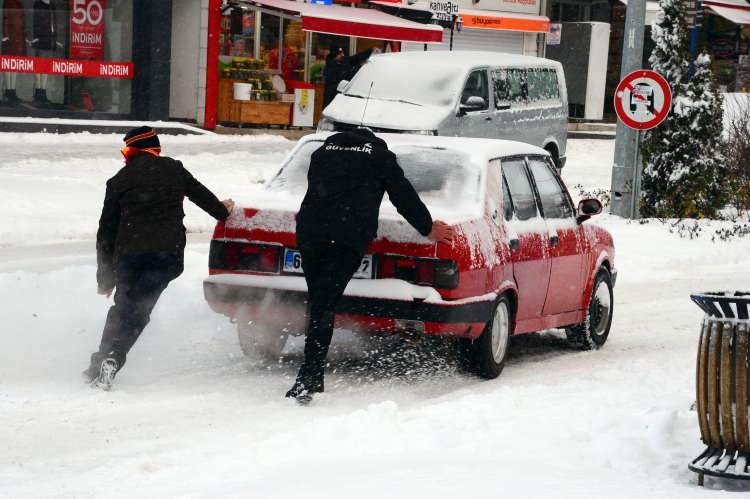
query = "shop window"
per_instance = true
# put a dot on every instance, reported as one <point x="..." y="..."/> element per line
<point x="476" y="86"/>
<point x="542" y="84"/>
<point x="238" y="32"/>
<point x="322" y="45"/>
<point x="270" y="29"/>
<point x="89" y="41"/>
<point x="293" y="50"/>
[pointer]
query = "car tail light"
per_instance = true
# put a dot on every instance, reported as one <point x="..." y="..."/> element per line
<point x="231" y="255"/>
<point x="424" y="271"/>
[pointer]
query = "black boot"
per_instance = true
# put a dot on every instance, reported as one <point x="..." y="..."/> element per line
<point x="11" y="98"/>
<point x="309" y="381"/>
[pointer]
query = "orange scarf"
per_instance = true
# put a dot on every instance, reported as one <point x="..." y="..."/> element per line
<point x="131" y="152"/>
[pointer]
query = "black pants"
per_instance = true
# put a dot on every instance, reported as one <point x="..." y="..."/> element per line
<point x="328" y="269"/>
<point x="139" y="281"/>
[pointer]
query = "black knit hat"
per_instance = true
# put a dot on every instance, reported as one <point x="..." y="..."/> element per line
<point x="142" y="138"/>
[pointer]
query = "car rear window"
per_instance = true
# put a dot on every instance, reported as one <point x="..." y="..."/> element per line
<point x="441" y="176"/>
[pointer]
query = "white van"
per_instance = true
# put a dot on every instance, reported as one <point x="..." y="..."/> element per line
<point x="465" y="94"/>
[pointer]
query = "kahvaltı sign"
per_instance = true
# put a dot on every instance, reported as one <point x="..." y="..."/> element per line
<point x="444" y="10"/>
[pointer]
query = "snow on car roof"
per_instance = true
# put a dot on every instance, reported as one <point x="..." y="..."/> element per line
<point x="481" y="149"/>
<point x="468" y="59"/>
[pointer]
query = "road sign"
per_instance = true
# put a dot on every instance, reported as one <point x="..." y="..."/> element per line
<point x="643" y="99"/>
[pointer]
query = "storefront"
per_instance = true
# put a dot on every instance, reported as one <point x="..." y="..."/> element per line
<point x="514" y="27"/>
<point x="726" y="36"/>
<point x="85" y="58"/>
<point x="271" y="56"/>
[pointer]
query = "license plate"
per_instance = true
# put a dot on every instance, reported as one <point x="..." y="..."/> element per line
<point x="293" y="264"/>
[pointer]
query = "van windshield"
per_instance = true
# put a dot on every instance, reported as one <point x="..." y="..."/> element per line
<point x="442" y="177"/>
<point x="412" y="82"/>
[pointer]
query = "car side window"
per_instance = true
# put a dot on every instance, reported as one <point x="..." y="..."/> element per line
<point x="477" y="86"/>
<point x="523" y="198"/>
<point x="555" y="202"/>
<point x="507" y="201"/>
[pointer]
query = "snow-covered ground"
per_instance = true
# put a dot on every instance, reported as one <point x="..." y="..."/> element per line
<point x="191" y="417"/>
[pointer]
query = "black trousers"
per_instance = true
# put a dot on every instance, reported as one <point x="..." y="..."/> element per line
<point x="328" y="269"/>
<point x="139" y="281"/>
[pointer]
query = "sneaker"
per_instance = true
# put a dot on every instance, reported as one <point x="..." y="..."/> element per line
<point x="107" y="374"/>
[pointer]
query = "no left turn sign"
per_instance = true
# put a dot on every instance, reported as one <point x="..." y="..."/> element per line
<point x="643" y="99"/>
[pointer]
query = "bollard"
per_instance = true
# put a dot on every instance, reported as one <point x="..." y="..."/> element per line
<point x="722" y="386"/>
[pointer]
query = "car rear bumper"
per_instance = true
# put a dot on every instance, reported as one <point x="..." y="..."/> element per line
<point x="283" y="306"/>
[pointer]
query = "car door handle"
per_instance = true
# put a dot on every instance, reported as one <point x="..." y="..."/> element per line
<point x="488" y="118"/>
<point x="502" y="107"/>
<point x="554" y="241"/>
<point x="515" y="244"/>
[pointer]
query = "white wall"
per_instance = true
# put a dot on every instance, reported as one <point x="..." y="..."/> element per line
<point x="597" y="75"/>
<point x="188" y="50"/>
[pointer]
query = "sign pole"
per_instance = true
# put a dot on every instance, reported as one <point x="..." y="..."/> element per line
<point x="635" y="208"/>
<point x="623" y="174"/>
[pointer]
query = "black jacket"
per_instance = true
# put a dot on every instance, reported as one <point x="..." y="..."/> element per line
<point x="143" y="213"/>
<point x="44" y="26"/>
<point x="348" y="176"/>
<point x="335" y="72"/>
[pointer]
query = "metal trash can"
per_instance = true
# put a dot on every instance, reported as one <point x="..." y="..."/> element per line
<point x="722" y="386"/>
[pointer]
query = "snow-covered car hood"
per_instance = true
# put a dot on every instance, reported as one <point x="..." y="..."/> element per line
<point x="394" y="115"/>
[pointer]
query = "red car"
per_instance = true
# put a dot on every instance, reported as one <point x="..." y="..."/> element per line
<point x="523" y="259"/>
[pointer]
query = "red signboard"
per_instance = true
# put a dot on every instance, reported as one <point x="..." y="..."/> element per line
<point x="87" y="29"/>
<point x="643" y="99"/>
<point x="66" y="67"/>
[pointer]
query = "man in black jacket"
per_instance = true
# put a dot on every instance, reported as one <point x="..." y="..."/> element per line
<point x="340" y="67"/>
<point x="338" y="218"/>
<point x="140" y="243"/>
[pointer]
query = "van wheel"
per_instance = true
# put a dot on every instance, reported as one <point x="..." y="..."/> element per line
<point x="489" y="351"/>
<point x="594" y="331"/>
<point x="260" y="343"/>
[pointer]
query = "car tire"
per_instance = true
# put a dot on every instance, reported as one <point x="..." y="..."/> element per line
<point x="259" y="342"/>
<point x="594" y="331"/>
<point x="489" y="351"/>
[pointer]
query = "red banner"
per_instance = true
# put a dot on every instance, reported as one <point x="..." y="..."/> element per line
<point x="66" y="67"/>
<point x="87" y="29"/>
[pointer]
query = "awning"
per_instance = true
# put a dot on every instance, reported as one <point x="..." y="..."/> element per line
<point x="737" y="11"/>
<point x="489" y="19"/>
<point x="349" y="21"/>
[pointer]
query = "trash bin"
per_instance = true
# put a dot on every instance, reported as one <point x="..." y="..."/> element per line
<point x="722" y="386"/>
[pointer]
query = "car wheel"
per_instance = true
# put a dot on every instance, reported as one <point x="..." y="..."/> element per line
<point x="593" y="332"/>
<point x="491" y="348"/>
<point x="259" y="342"/>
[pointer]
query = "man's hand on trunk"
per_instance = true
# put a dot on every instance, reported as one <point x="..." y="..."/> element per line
<point x="441" y="232"/>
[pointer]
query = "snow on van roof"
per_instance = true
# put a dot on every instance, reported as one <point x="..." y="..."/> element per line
<point x="482" y="149"/>
<point x="467" y="59"/>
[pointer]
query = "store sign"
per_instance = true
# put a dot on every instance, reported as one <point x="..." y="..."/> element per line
<point x="66" y="67"/>
<point x="443" y="10"/>
<point x="87" y="29"/>
<point x="507" y="23"/>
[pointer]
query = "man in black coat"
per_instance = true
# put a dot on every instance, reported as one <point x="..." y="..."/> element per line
<point x="340" y="67"/>
<point x="140" y="243"/>
<point x="338" y="219"/>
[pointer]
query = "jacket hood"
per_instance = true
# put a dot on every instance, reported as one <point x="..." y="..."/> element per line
<point x="355" y="138"/>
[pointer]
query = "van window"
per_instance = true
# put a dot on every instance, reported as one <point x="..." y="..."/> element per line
<point x="477" y="86"/>
<point x="543" y="84"/>
<point x="509" y="86"/>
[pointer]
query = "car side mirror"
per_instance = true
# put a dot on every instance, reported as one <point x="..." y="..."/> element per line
<point x="342" y="86"/>
<point x="473" y="103"/>
<point x="587" y="208"/>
